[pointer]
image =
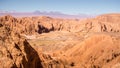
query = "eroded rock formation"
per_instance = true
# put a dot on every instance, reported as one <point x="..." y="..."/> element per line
<point x="15" y="51"/>
<point x="60" y="43"/>
<point x="33" y="25"/>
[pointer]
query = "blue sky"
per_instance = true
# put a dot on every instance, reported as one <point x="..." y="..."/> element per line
<point x="64" y="6"/>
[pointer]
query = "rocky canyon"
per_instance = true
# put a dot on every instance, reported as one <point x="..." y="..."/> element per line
<point x="46" y="42"/>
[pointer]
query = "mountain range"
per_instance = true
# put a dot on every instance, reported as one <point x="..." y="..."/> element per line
<point x="50" y="14"/>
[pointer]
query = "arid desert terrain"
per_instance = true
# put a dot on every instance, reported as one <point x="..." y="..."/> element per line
<point x="46" y="42"/>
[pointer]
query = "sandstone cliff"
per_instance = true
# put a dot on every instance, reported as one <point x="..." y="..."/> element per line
<point x="15" y="51"/>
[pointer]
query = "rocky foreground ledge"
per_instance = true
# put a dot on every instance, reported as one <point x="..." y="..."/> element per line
<point x="15" y="51"/>
<point x="45" y="42"/>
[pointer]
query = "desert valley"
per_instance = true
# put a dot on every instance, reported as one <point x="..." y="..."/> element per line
<point x="46" y="42"/>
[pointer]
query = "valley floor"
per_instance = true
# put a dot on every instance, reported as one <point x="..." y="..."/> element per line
<point x="78" y="49"/>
